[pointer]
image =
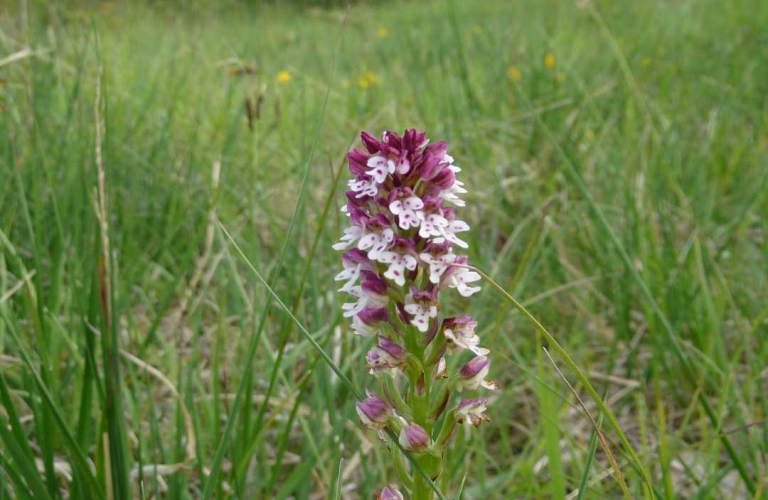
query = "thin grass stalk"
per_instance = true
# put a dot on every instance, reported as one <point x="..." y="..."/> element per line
<point x="671" y="334"/>
<point x="583" y="379"/>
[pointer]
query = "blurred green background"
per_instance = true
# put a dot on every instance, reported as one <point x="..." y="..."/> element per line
<point x="615" y="156"/>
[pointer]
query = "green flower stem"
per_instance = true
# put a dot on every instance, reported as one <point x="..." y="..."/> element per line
<point x="420" y="489"/>
<point x="402" y="472"/>
<point x="422" y="409"/>
<point x="431" y="465"/>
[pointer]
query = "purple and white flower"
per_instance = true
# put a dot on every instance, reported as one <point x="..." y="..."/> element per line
<point x="407" y="207"/>
<point x="387" y="356"/>
<point x="458" y="276"/>
<point x="400" y="253"/>
<point x="422" y="306"/>
<point x="372" y="293"/>
<point x="367" y="322"/>
<point x="472" y="412"/>
<point x="377" y="236"/>
<point x="472" y="375"/>
<point x="438" y="258"/>
<point x="400" y="256"/>
<point x="373" y="412"/>
<point x="380" y="166"/>
<point x="460" y="334"/>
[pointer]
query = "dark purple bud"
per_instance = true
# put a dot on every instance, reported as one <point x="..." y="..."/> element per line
<point x="437" y="149"/>
<point x="444" y="179"/>
<point x="373" y="315"/>
<point x="392" y="140"/>
<point x="391" y="348"/>
<point x="371" y="144"/>
<point x="427" y="167"/>
<point x="373" y="283"/>
<point x="358" y="256"/>
<point x="358" y="162"/>
<point x="413" y="139"/>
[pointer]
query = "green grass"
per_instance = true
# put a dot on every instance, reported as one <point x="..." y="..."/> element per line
<point x="619" y="196"/>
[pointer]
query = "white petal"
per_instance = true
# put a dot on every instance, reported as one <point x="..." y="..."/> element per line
<point x="410" y="262"/>
<point x="414" y="203"/>
<point x="368" y="241"/>
<point x="396" y="273"/>
<point x="388" y="257"/>
<point x="363" y="329"/>
<point x="479" y="350"/>
<point x="376" y="161"/>
<point x="396" y="207"/>
<point x="412" y="308"/>
<point x="403" y="166"/>
<point x="466" y="291"/>
<point x="421" y="322"/>
<point x="379" y="174"/>
<point x="458" y="226"/>
<point x="348" y="273"/>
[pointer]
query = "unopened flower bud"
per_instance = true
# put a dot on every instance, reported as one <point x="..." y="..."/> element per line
<point x="414" y="438"/>
<point x="472" y="375"/>
<point x="373" y="412"/>
<point x="390" y="493"/>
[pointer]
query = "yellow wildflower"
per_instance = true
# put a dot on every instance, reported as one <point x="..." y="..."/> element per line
<point x="477" y="30"/>
<point x="374" y="78"/>
<point x="382" y="32"/>
<point x="646" y="61"/>
<point x="549" y="60"/>
<point x="284" y="77"/>
<point x="368" y="79"/>
<point x="514" y="73"/>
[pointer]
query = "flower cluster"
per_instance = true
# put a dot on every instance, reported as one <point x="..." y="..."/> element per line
<point x="399" y="255"/>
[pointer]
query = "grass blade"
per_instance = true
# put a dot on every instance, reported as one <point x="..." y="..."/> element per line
<point x="583" y="379"/>
<point x="17" y="447"/>
<point x="671" y="333"/>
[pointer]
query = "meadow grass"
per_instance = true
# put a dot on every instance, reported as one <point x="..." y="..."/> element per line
<point x="170" y="185"/>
